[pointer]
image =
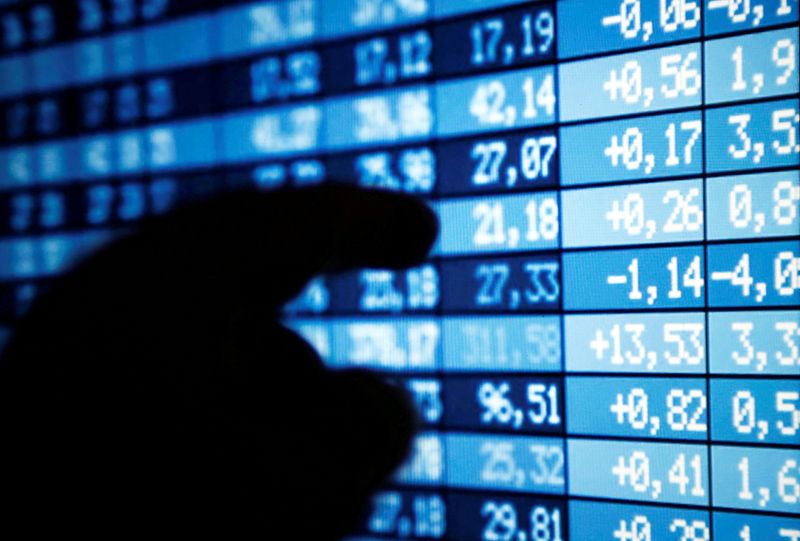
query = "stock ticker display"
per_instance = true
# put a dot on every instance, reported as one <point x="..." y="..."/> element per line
<point x="605" y="343"/>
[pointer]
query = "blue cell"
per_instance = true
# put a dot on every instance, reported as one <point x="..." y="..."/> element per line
<point x="522" y="403"/>
<point x="615" y="25"/>
<point x="637" y="407"/>
<point x="642" y="148"/>
<point x="723" y="16"/>
<point x="592" y="520"/>
<point x="182" y="145"/>
<point x="753" y="136"/>
<point x="179" y="43"/>
<point x="634" y="279"/>
<point x="767" y="528"/>
<point x="14" y="76"/>
<point x="51" y="68"/>
<point x="265" y="25"/>
<point x="756" y="411"/>
<point x="520" y="283"/>
<point x="90" y="60"/>
<point x="348" y="17"/>
<point x="763" y="274"/>
<point x="449" y="8"/>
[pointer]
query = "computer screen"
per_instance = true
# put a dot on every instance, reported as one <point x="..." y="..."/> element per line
<point x="605" y="341"/>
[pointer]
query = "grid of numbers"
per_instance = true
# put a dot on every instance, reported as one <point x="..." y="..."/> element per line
<point x="605" y="343"/>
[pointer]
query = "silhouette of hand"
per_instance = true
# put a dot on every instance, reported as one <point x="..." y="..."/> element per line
<point x="153" y="389"/>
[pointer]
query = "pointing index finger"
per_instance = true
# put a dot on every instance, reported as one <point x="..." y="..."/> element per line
<point x="269" y="245"/>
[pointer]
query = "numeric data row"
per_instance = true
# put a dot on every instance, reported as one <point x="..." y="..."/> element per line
<point x="486" y="516"/>
<point x="746" y="478"/>
<point x="750" y="343"/>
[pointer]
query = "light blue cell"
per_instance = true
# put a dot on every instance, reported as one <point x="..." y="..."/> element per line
<point x="510" y="463"/>
<point x="754" y="411"/>
<point x="450" y="8"/>
<point x="593" y="520"/>
<point x="639" y="471"/>
<point x="631" y="83"/>
<point x="634" y="279"/>
<point x="502" y="344"/>
<point x="756" y="478"/>
<point x="767" y="528"/>
<point x="723" y="16"/>
<point x="616" y="25"/>
<point x="754" y="66"/>
<point x="178" y="43"/>
<point x="636" y="343"/>
<point x="503" y="101"/>
<point x="753" y="206"/>
<point x="426" y="464"/>
<point x="505" y="224"/>
<point x="386" y="344"/>
<point x="262" y="26"/>
<point x="376" y="118"/>
<point x="633" y="214"/>
<point x="272" y="132"/>
<point x="317" y="332"/>
<point x="763" y="274"/>
<point x="348" y="17"/>
<point x="753" y="136"/>
<point x="641" y="148"/>
<point x="637" y="408"/>
<point x="755" y="342"/>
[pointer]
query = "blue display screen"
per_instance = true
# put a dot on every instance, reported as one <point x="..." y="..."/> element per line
<point x="605" y="341"/>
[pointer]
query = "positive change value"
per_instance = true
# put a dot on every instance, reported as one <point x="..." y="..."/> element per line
<point x="605" y="342"/>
